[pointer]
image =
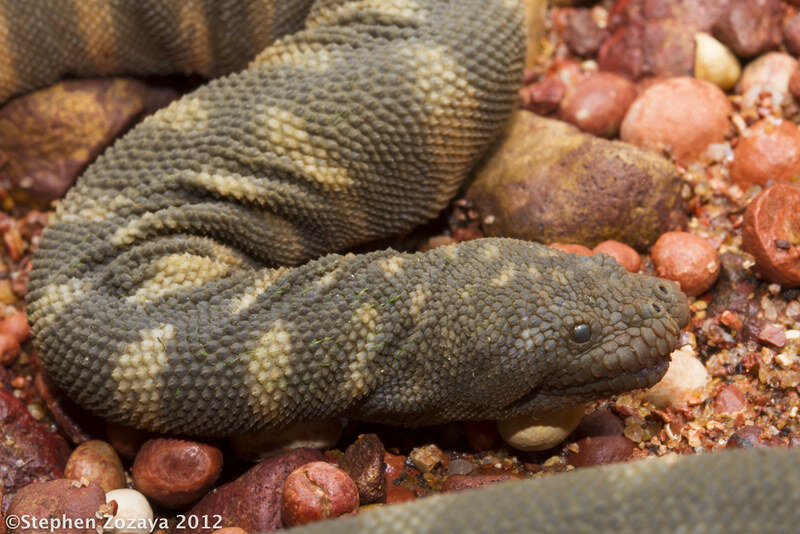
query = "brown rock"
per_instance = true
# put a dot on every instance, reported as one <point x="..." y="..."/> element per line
<point x="363" y="462"/>
<point x="28" y="451"/>
<point x="625" y="255"/>
<point x="681" y="116"/>
<point x="769" y="151"/>
<point x="729" y="400"/>
<point x="598" y="103"/>
<point x="49" y="136"/>
<point x="57" y="499"/>
<point x="752" y="436"/>
<point x="656" y="37"/>
<point x="543" y="97"/>
<point x="174" y="473"/>
<point x="17" y="327"/>
<point x="791" y="34"/>
<point x="462" y="482"/>
<point x="572" y="248"/>
<point x="770" y="233"/>
<point x="601" y="450"/>
<point x="96" y="461"/>
<point x="599" y="423"/>
<point x="427" y="457"/>
<point x="582" y="34"/>
<point x="549" y="182"/>
<point x="253" y="501"/>
<point x="9" y="350"/>
<point x="749" y="27"/>
<point x="687" y="259"/>
<point x="398" y="494"/>
<point x="317" y="491"/>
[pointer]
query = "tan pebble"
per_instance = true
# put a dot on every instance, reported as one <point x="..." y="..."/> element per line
<point x="684" y="382"/>
<point x="427" y="457"/>
<point x="687" y="259"/>
<point x="97" y="461"/>
<point x="625" y="255"/>
<point x="681" y="116"/>
<point x="538" y="432"/>
<point x="714" y="62"/>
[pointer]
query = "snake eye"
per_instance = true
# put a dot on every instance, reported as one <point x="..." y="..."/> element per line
<point x="581" y="333"/>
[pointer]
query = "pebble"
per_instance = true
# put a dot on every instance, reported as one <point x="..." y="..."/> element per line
<point x="772" y="334"/>
<point x="598" y="103"/>
<point x="97" y="461"/>
<point x="791" y="34"/>
<point x="394" y="467"/>
<point x="126" y="440"/>
<point x="794" y="84"/>
<point x="56" y="499"/>
<point x="687" y="259"/>
<point x="17" y="327"/>
<point x="29" y="452"/>
<point x="9" y="350"/>
<point x="769" y="232"/>
<point x="317" y="491"/>
<point x="460" y="466"/>
<point x="682" y="116"/>
<point x="174" y="473"/>
<point x="550" y="182"/>
<point x="769" y="150"/>
<point x="252" y="501"/>
<point x="131" y="505"/>
<point x="398" y="494"/>
<point x="684" y="382"/>
<point x="714" y="62"/>
<point x="463" y="482"/>
<point x="363" y="462"/>
<point x="427" y="457"/>
<point x="539" y="432"/>
<point x="769" y="72"/>
<point x="750" y="27"/>
<point x="543" y="97"/>
<point x="261" y="444"/>
<point x="581" y="32"/>
<point x="572" y="248"/>
<point x="601" y="450"/>
<point x="729" y="400"/>
<point x="601" y="422"/>
<point x="751" y="436"/>
<point x="625" y="255"/>
<point x="230" y="530"/>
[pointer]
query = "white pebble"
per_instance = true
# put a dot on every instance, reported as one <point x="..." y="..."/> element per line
<point x="684" y="382"/>
<point x="134" y="515"/>
<point x="539" y="432"/>
<point x="713" y="61"/>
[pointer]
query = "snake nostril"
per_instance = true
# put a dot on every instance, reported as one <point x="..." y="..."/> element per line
<point x="656" y="308"/>
<point x="663" y="290"/>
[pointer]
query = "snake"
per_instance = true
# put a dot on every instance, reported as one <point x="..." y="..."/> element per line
<point x="196" y="279"/>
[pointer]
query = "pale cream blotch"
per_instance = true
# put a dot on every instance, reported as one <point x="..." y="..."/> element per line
<point x="490" y="251"/>
<point x="294" y="54"/>
<point x="331" y="276"/>
<point x="363" y="327"/>
<point x="96" y="22"/>
<point x="177" y="272"/>
<point x="139" y="228"/>
<point x="290" y="141"/>
<point x="139" y="375"/>
<point x="262" y="282"/>
<point x="90" y="206"/>
<point x="417" y="301"/>
<point x="188" y="114"/>
<point x="56" y="298"/>
<point x="505" y="276"/>
<point x="269" y="370"/>
<point x="392" y="266"/>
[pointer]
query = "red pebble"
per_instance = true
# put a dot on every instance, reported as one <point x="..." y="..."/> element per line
<point x="598" y="103"/>
<point x="770" y="151"/>
<point x="17" y="327"/>
<point x="317" y="491"/>
<point x="621" y="252"/>
<point x="601" y="450"/>
<point x="688" y="259"/>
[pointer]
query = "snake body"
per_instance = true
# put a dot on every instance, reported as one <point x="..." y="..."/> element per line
<point x="183" y="286"/>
